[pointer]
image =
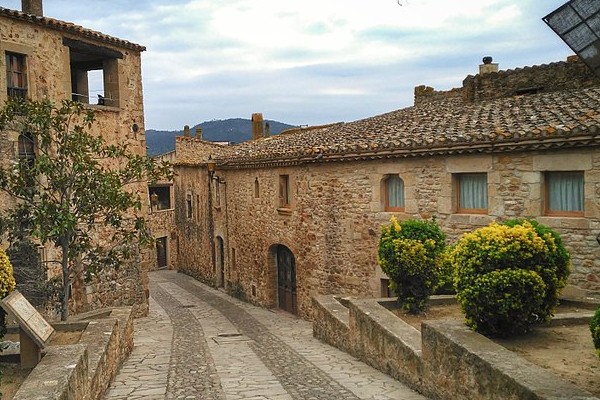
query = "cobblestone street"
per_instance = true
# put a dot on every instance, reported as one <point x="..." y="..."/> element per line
<point x="199" y="343"/>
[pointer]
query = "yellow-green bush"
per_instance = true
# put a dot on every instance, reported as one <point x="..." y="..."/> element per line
<point x="410" y="253"/>
<point x="7" y="280"/>
<point x="508" y="276"/>
<point x="7" y="285"/>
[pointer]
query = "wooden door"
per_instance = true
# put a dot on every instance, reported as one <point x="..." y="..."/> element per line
<point x="286" y="280"/>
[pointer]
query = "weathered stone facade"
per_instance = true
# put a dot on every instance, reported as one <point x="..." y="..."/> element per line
<point x="336" y="176"/>
<point x="53" y="52"/>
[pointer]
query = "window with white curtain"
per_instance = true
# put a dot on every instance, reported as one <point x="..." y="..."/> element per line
<point x="564" y="193"/>
<point x="472" y="193"/>
<point x="394" y="193"/>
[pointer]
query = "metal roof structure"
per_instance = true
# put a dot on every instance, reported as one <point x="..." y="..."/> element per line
<point x="577" y="23"/>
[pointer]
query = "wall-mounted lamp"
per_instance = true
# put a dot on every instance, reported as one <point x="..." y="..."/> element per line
<point x="211" y="166"/>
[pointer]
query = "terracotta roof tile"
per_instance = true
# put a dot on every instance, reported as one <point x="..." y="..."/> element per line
<point x="70" y="28"/>
<point x="519" y="122"/>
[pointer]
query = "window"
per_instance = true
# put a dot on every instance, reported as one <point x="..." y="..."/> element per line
<point x="190" y="211"/>
<point x="16" y="76"/>
<point x="94" y="73"/>
<point x="26" y="149"/>
<point x="256" y="188"/>
<point x="394" y="193"/>
<point x="471" y="193"/>
<point x="284" y="191"/>
<point x="564" y="193"/>
<point x="160" y="197"/>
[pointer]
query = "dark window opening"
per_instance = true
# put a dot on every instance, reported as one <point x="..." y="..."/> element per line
<point x="160" y="197"/>
<point x="529" y="90"/>
<point x="94" y="73"/>
<point x="16" y="75"/>
<point x="190" y="211"/>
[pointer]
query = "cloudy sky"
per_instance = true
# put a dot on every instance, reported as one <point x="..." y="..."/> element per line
<point x="312" y="61"/>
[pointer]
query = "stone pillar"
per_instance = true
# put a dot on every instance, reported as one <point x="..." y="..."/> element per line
<point x="257" y="126"/>
<point x="31" y="353"/>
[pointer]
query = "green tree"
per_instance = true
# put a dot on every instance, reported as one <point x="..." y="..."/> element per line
<point x="76" y="188"/>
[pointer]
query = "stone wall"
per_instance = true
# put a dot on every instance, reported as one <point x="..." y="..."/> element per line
<point x="48" y="76"/>
<point x="446" y="360"/>
<point x="86" y="369"/>
<point x="569" y="75"/>
<point x="333" y="225"/>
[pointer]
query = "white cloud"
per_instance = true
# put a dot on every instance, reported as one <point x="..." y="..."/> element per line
<point x="313" y="61"/>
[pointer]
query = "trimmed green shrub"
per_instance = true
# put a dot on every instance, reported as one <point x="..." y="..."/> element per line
<point x="410" y="253"/>
<point x="595" y="329"/>
<point x="555" y="261"/>
<point x="445" y="273"/>
<point x="508" y="276"/>
<point x="512" y="300"/>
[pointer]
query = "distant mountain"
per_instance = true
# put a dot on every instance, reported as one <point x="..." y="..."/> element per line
<point x="234" y="130"/>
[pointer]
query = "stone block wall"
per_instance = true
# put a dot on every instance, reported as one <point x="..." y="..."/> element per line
<point x="334" y="222"/>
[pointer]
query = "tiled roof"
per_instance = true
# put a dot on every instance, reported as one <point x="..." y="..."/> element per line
<point x="69" y="28"/>
<point x="551" y="120"/>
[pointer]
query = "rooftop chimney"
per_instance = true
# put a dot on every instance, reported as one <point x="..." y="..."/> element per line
<point x="186" y="131"/>
<point x="198" y="133"/>
<point x="33" y="7"/>
<point x="488" y="66"/>
<point x="267" y="129"/>
<point x="257" y="126"/>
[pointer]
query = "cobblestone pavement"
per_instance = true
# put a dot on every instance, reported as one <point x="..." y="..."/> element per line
<point x="199" y="343"/>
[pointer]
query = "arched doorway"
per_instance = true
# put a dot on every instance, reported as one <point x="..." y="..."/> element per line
<point x="286" y="280"/>
<point x="220" y="262"/>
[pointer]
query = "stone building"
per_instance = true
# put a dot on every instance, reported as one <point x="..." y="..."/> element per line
<point x="45" y="58"/>
<point x="162" y="220"/>
<point x="279" y="219"/>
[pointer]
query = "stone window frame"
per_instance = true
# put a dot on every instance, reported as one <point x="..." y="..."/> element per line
<point x="163" y="198"/>
<point x="546" y="193"/>
<point x="386" y="196"/>
<point x="19" y="62"/>
<point x="285" y="195"/>
<point x="85" y="57"/>
<point x="19" y="49"/>
<point x="457" y="178"/>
